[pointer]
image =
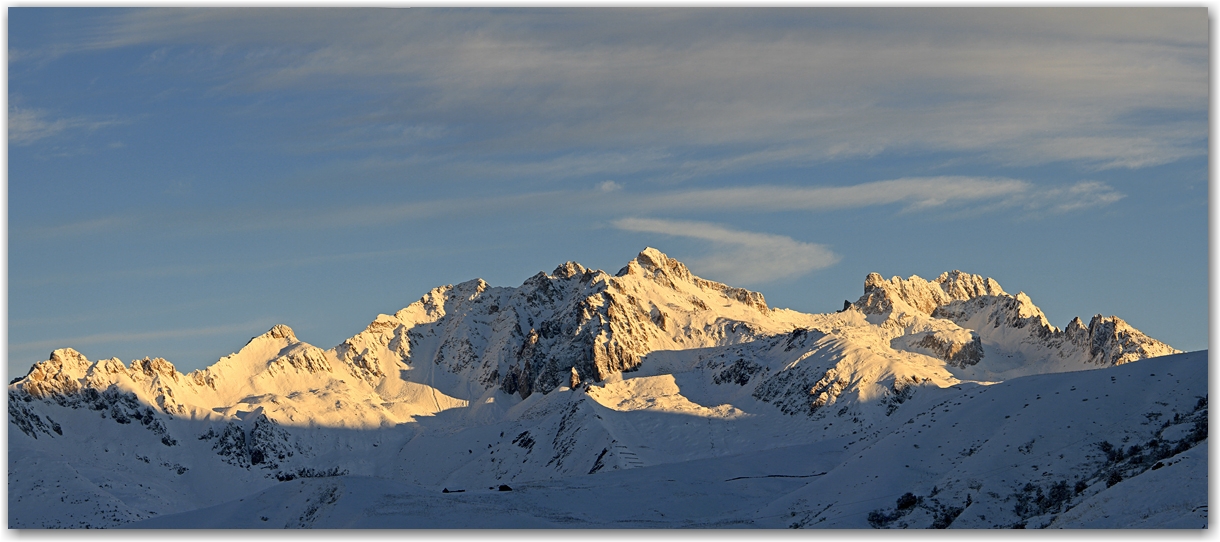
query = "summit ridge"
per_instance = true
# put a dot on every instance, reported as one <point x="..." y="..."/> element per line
<point x="570" y="374"/>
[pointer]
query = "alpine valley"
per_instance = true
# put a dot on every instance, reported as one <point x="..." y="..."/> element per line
<point x="650" y="398"/>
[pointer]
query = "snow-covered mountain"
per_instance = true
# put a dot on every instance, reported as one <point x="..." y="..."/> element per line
<point x="577" y="379"/>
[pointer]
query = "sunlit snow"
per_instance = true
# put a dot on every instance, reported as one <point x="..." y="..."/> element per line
<point x="942" y="403"/>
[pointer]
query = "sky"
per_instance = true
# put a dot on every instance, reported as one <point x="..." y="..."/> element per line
<point x="180" y="180"/>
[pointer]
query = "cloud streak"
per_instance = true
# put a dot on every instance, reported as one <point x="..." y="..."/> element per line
<point x="914" y="194"/>
<point x="1012" y="86"/>
<point x="1081" y="195"/>
<point x="139" y="273"/>
<point x="102" y="225"/>
<point x="739" y="257"/>
<point x="103" y="338"/>
<point x="26" y="125"/>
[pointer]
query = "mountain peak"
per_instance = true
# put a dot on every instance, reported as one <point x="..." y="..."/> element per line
<point x="1112" y="341"/>
<point x="651" y="254"/>
<point x="923" y="295"/>
<point x="270" y="339"/>
<point x="278" y="331"/>
<point x="651" y="259"/>
<point x="569" y="270"/>
<point x="961" y="285"/>
<point x="68" y="356"/>
<point x="662" y="269"/>
<point x="58" y="375"/>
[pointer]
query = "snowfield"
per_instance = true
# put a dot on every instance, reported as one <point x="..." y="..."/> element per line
<point x="650" y="398"/>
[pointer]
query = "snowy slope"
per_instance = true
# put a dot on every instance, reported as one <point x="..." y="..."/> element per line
<point x="1020" y="452"/>
<point x="979" y="457"/>
<point x="573" y="375"/>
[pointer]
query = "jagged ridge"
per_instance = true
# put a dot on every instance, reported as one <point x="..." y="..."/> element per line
<point x="281" y="409"/>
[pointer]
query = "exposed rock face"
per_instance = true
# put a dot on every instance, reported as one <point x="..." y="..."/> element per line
<point x="303" y="359"/>
<point x="923" y="296"/>
<point x="577" y="325"/>
<point x="530" y="338"/>
<point x="958" y="354"/>
<point x="827" y="389"/>
<point x="666" y="270"/>
<point x="971" y="302"/>
<point x="123" y="407"/>
<point x="280" y="331"/>
<point x="256" y="443"/>
<point x="58" y="375"/>
<point x="281" y="409"/>
<point x="1111" y="341"/>
<point x="155" y="367"/>
<point x="1016" y="312"/>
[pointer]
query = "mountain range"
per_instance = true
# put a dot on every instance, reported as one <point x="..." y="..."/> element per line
<point x="647" y="398"/>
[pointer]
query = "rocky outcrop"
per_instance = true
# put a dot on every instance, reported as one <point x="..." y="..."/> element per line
<point x="881" y="296"/>
<point x="111" y="403"/>
<point x="1111" y="341"/>
<point x="979" y="305"/>
<point x="304" y="358"/>
<point x="58" y="375"/>
<point x="998" y="311"/>
<point x="577" y="325"/>
<point x="955" y="353"/>
<point x="529" y="339"/>
<point x="155" y="368"/>
<point x="665" y="270"/>
<point x="256" y="442"/>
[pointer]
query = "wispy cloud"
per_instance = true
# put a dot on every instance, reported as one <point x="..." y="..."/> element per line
<point x="75" y="318"/>
<point x="739" y="257"/>
<point x="106" y="224"/>
<point x="139" y="272"/>
<point x="609" y="186"/>
<point x="608" y="198"/>
<point x="103" y="338"/>
<point x="1078" y="196"/>
<point x="915" y="192"/>
<point x="1014" y="86"/>
<point x="27" y="125"/>
<point x="356" y="216"/>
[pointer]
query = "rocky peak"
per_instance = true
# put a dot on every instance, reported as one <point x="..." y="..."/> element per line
<point x="1112" y="341"/>
<point x="924" y="296"/>
<point x="279" y="331"/>
<point x="68" y="357"/>
<point x="655" y="260"/>
<point x="382" y="324"/>
<point x="1076" y="328"/>
<point x="302" y="358"/>
<point x="108" y="366"/>
<point x="159" y="366"/>
<point x="471" y="289"/>
<point x="429" y="308"/>
<point x="959" y="285"/>
<point x="59" y="374"/>
<point x="569" y="270"/>
<point x="64" y="362"/>
<point x="251" y="357"/>
<point x="655" y="265"/>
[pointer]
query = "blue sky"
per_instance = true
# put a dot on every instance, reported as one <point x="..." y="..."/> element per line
<point x="180" y="180"/>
